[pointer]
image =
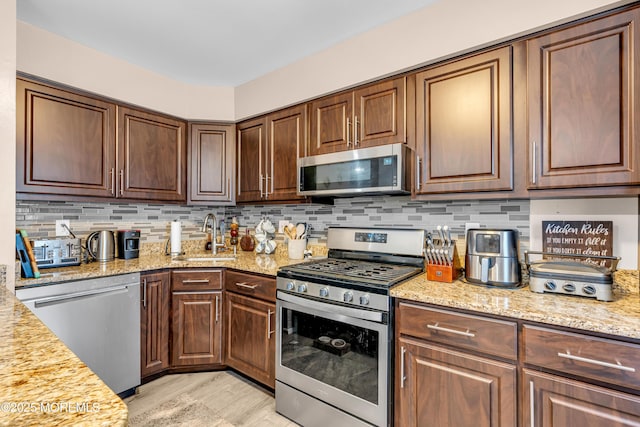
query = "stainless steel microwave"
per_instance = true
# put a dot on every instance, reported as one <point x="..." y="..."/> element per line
<point x="377" y="170"/>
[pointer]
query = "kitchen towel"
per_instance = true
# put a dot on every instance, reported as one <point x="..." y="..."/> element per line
<point x="176" y="237"/>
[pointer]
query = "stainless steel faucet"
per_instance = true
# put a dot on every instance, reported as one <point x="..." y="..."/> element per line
<point x="214" y="232"/>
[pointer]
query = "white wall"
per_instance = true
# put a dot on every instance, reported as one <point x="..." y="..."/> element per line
<point x="436" y="31"/>
<point x="622" y="211"/>
<point x="8" y="137"/>
<point x="52" y="57"/>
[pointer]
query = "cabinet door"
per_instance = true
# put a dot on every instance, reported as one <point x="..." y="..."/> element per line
<point x="583" y="90"/>
<point x="331" y="124"/>
<point x="464" y="124"/>
<point x="552" y="401"/>
<point x="212" y="158"/>
<point x="440" y="387"/>
<point x="380" y="114"/>
<point x="65" y="142"/>
<point x="251" y="159"/>
<point x="286" y="140"/>
<point x="152" y="156"/>
<point x="154" y="315"/>
<point x="250" y="346"/>
<point x="196" y="328"/>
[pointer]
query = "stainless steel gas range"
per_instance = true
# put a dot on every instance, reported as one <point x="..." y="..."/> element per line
<point x="334" y="323"/>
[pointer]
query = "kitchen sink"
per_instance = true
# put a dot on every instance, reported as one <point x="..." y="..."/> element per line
<point x="203" y="258"/>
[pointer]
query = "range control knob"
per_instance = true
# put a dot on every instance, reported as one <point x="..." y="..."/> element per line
<point x="347" y="296"/>
<point x="290" y="286"/>
<point x="589" y="290"/>
<point x="324" y="292"/>
<point x="364" y="299"/>
<point x="569" y="287"/>
<point x="550" y="285"/>
<point x="302" y="288"/>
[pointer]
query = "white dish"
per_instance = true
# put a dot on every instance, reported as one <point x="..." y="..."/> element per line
<point x="338" y="343"/>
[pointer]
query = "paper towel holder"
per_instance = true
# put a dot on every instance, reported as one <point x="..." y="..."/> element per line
<point x="174" y="229"/>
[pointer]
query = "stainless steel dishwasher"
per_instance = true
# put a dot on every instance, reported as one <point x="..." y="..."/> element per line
<point x="99" y="320"/>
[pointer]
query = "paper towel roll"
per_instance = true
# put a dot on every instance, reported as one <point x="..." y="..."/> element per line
<point x="176" y="237"/>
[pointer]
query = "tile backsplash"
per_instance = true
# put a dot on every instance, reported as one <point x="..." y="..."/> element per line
<point x="39" y="218"/>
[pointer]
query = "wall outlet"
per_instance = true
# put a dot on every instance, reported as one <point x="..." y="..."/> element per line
<point x="281" y="225"/>
<point x="469" y="225"/>
<point x="60" y="230"/>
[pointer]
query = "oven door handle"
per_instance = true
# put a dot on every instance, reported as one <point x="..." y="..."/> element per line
<point x="374" y="316"/>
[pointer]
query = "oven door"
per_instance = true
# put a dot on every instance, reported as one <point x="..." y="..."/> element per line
<point x="337" y="354"/>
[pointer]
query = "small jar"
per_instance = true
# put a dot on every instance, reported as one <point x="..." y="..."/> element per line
<point x="247" y="243"/>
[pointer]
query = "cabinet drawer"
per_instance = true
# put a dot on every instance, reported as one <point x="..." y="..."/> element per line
<point x="196" y="280"/>
<point x="495" y="337"/>
<point x="594" y="358"/>
<point x="252" y="285"/>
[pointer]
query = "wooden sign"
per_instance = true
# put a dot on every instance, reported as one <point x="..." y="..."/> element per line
<point x="585" y="238"/>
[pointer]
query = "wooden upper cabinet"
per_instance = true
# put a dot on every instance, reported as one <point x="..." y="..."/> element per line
<point x="366" y="117"/>
<point x="152" y="156"/>
<point x="583" y="90"/>
<point x="268" y="148"/>
<point x="66" y="143"/>
<point x="286" y="139"/>
<point x="212" y="159"/>
<point x="331" y="124"/>
<point x="463" y="124"/>
<point x="251" y="154"/>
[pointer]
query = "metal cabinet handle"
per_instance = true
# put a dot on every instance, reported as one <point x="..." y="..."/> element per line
<point x="262" y="193"/>
<point x="348" y="131"/>
<point x="217" y="314"/>
<point x="121" y="182"/>
<point x="355" y="132"/>
<point x="144" y="293"/>
<point x="244" y="285"/>
<point x="269" y="331"/>
<point x="466" y="333"/>
<point x="532" y="404"/>
<point x="418" y="162"/>
<point x="195" y="281"/>
<point x="402" y="375"/>
<point x="534" y="161"/>
<point x="618" y="366"/>
<point x="266" y="186"/>
<point x="112" y="173"/>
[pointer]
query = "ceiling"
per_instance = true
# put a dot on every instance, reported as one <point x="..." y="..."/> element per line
<point x="211" y="42"/>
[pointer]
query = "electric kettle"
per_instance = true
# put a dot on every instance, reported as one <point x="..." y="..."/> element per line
<point x="101" y="245"/>
<point x="492" y="257"/>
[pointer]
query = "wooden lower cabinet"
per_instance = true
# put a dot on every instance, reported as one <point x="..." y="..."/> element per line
<point x="250" y="337"/>
<point x="436" y="386"/>
<point x="154" y="323"/>
<point x="196" y="328"/>
<point x="553" y="401"/>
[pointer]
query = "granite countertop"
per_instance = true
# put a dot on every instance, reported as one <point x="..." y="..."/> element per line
<point x="42" y="382"/>
<point x="619" y="317"/>
<point x="245" y="261"/>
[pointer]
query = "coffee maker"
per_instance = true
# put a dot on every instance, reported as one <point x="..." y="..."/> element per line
<point x="492" y="257"/>
<point x="128" y="244"/>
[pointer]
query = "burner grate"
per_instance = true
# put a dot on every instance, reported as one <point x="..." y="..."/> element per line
<point x="359" y="271"/>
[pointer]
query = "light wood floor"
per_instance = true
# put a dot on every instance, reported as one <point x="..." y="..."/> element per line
<point x="222" y="399"/>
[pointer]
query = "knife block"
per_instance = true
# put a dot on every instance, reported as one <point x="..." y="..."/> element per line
<point x="445" y="272"/>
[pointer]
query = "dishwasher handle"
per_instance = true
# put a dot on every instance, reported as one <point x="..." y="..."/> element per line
<point x="77" y="295"/>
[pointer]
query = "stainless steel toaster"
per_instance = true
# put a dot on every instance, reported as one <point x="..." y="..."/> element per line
<point x="57" y="252"/>
<point x="492" y="257"/>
